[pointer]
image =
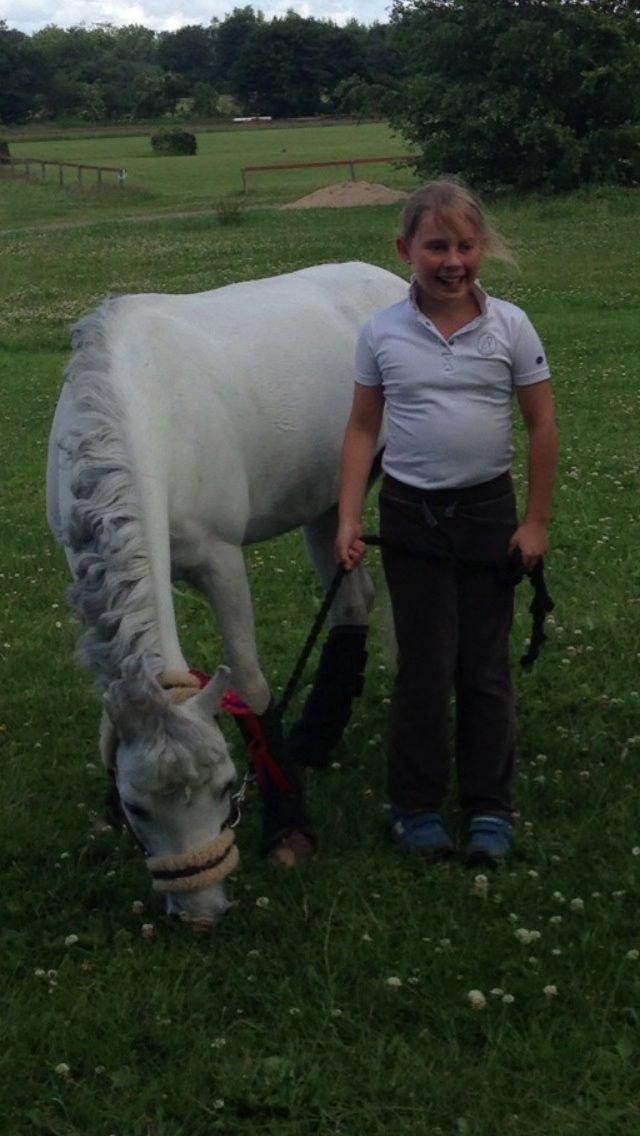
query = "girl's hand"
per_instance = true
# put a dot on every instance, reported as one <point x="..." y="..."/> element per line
<point x="531" y="539"/>
<point x="349" y="549"/>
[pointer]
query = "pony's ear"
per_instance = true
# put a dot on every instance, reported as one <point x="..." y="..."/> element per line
<point x="209" y="699"/>
<point x="135" y="703"/>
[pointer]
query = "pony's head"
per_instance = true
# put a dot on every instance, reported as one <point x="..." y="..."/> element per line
<point x="174" y="776"/>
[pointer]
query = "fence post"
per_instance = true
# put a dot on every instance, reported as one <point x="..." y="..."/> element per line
<point x="353" y="172"/>
<point x="121" y="175"/>
<point x="61" y="174"/>
<point x="26" y="167"/>
<point x="99" y="175"/>
<point x="42" y="170"/>
<point x="79" y="175"/>
<point x="244" y="180"/>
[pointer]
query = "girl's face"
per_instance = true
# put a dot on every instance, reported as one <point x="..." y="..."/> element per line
<point x="445" y="260"/>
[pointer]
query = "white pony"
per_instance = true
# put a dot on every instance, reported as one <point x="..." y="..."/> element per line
<point x="188" y="426"/>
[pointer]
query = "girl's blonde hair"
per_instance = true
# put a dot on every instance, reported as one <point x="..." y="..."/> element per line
<point x="448" y="198"/>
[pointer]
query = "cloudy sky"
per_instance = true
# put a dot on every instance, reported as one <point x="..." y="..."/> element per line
<point x="167" y="15"/>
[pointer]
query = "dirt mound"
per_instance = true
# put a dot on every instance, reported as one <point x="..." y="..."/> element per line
<point x="344" y="193"/>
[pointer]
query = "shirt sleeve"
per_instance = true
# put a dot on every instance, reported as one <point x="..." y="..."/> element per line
<point x="529" y="364"/>
<point x="367" y="371"/>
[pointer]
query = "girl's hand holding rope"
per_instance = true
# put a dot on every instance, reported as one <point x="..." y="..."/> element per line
<point x="349" y="548"/>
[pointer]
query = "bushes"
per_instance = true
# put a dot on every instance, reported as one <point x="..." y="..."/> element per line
<point x="171" y="140"/>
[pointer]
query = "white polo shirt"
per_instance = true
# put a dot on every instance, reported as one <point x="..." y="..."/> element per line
<point x="449" y="402"/>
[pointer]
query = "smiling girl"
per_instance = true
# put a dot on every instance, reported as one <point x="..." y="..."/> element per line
<point x="445" y="364"/>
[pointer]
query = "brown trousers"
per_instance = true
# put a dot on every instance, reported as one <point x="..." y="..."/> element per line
<point x="445" y="561"/>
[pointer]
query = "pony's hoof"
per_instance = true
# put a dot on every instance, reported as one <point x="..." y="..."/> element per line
<point x="296" y="849"/>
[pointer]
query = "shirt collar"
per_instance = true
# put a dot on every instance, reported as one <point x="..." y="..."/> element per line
<point x="477" y="289"/>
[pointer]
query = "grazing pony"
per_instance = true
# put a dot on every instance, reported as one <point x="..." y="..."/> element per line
<point x="187" y="427"/>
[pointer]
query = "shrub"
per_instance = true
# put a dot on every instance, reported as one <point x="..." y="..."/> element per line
<point x="171" y="140"/>
<point x="229" y="211"/>
<point x="4" y="150"/>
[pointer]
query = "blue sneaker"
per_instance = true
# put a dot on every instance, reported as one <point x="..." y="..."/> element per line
<point x="488" y="843"/>
<point x="422" y="833"/>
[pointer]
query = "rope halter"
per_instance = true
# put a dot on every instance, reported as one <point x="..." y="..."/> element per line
<point x="196" y="869"/>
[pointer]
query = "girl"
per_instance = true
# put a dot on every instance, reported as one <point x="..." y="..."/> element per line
<point x="445" y="363"/>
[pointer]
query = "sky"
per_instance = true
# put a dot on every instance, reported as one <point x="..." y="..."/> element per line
<point x="167" y="15"/>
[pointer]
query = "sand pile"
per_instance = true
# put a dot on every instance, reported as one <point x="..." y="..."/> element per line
<point x="344" y="193"/>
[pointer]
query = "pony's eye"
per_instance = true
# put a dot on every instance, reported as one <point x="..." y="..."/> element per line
<point x="137" y="811"/>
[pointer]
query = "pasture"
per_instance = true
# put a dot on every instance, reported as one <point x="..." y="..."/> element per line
<point x="190" y="183"/>
<point x="334" y="1000"/>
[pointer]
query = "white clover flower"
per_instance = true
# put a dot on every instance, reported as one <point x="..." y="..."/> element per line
<point x="477" y="1000"/>
<point x="148" y="930"/>
<point x="39" y="972"/>
<point x="336" y="1012"/>
<point x="556" y="951"/>
<point x="635" y="851"/>
<point x="137" y="907"/>
<point x="532" y="874"/>
<point x="577" y="904"/>
<point x="393" y="981"/>
<point x="481" y="885"/>
<point x="556" y="920"/>
<point x="295" y="1012"/>
<point x="558" y="896"/>
<point x="218" y="1104"/>
<point x="633" y="955"/>
<point x="218" y="1042"/>
<point x="63" y="1070"/>
<point x="525" y="936"/>
<point x="508" y="999"/>
<point x="497" y="992"/>
<point x="551" y="991"/>
<point x="262" y="901"/>
<point x="71" y="940"/>
<point x="366" y="938"/>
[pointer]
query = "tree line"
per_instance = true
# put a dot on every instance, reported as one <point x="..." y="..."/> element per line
<point x="508" y="93"/>
<point x="243" y="64"/>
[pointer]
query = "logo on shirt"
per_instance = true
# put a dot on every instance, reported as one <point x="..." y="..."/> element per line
<point x="487" y="344"/>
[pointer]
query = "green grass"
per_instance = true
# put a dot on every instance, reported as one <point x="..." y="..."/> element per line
<point x="286" y="1015"/>
<point x="189" y="183"/>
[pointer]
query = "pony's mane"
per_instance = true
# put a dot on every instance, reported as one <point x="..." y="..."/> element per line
<point x="111" y="593"/>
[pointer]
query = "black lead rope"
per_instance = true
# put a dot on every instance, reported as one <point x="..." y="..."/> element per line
<point x="539" y="607"/>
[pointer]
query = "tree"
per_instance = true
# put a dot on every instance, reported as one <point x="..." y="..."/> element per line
<point x="521" y="92"/>
<point x="19" y="82"/>
<point x="188" y="53"/>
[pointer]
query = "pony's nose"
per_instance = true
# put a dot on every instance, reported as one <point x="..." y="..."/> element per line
<point x="200" y="911"/>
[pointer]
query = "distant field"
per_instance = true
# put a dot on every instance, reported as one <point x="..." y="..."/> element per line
<point x="156" y="183"/>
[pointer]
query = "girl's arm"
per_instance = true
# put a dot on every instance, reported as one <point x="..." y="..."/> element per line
<point x="536" y="405"/>
<point x="358" y="452"/>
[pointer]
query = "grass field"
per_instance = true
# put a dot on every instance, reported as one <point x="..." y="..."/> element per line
<point x="285" y="1023"/>
<point x="189" y="183"/>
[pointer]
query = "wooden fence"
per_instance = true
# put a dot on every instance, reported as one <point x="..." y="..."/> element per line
<point x="119" y="171"/>
<point x="351" y="162"/>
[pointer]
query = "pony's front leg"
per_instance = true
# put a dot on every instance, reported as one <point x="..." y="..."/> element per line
<point x="287" y="833"/>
